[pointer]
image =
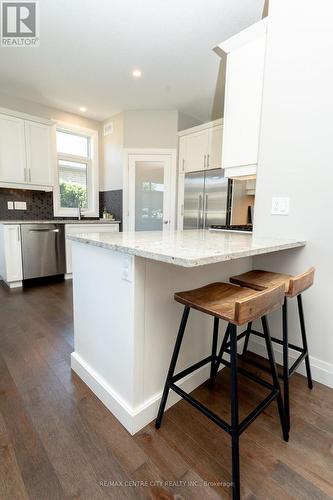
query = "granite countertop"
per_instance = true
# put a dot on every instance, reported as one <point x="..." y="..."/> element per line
<point x="61" y="221"/>
<point x="187" y="248"/>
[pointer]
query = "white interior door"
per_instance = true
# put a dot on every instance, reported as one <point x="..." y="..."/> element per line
<point x="149" y="192"/>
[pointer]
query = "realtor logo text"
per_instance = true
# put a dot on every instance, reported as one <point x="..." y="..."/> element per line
<point x="20" y="24"/>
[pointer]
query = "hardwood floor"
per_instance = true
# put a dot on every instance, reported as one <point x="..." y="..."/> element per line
<point x="57" y="441"/>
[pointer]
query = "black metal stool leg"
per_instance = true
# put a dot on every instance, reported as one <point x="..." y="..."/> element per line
<point x="234" y="414"/>
<point x="214" y="349"/>
<point x="275" y="378"/>
<point x="305" y="343"/>
<point x="221" y="351"/>
<point x="247" y="338"/>
<point x="285" y="362"/>
<point x="172" y="366"/>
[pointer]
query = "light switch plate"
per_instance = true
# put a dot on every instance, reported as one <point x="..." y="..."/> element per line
<point x="20" y="205"/>
<point x="280" y="206"/>
<point x="10" y="205"/>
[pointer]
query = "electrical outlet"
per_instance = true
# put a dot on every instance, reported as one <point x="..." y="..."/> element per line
<point x="127" y="273"/>
<point x="20" y="205"/>
<point x="280" y="206"/>
<point x="10" y="205"/>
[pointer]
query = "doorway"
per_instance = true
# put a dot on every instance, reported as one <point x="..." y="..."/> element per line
<point x="150" y="192"/>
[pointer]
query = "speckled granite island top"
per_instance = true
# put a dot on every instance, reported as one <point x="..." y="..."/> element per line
<point x="187" y="248"/>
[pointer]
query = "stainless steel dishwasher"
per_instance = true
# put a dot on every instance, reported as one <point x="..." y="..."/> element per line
<point x="43" y="250"/>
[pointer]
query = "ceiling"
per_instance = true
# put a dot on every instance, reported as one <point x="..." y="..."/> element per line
<point x="88" y="50"/>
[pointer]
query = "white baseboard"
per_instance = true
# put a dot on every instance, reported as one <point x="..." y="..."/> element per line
<point x="321" y="371"/>
<point x="133" y="419"/>
<point x="12" y="284"/>
<point x="68" y="276"/>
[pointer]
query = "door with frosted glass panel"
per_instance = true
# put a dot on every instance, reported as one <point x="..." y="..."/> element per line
<point x="149" y="192"/>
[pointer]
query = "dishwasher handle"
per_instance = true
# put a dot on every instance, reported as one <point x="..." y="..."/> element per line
<point x="43" y="230"/>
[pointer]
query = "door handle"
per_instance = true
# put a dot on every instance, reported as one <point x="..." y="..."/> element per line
<point x="165" y="222"/>
<point x="205" y="211"/>
<point x="44" y="230"/>
<point x="199" y="211"/>
<point x="204" y="161"/>
<point x="208" y="160"/>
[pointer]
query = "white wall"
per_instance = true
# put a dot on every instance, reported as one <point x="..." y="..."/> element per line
<point x="112" y="154"/>
<point x="295" y="159"/>
<point x="150" y="129"/>
<point x="135" y="129"/>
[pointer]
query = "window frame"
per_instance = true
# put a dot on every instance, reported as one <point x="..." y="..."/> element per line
<point x="92" y="172"/>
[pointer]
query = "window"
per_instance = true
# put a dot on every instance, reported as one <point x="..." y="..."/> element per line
<point x="77" y="172"/>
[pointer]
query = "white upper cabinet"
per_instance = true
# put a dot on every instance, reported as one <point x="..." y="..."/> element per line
<point x="243" y="97"/>
<point x="200" y="147"/>
<point x="27" y="153"/>
<point x="39" y="153"/>
<point x="12" y="149"/>
<point x="214" y="147"/>
<point x="196" y="151"/>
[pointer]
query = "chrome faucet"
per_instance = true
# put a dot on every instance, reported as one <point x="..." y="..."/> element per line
<point x="79" y="212"/>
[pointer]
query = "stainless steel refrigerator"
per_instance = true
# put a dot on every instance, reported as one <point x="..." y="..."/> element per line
<point x="207" y="199"/>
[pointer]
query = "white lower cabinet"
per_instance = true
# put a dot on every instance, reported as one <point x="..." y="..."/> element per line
<point x="11" y="255"/>
<point x="84" y="228"/>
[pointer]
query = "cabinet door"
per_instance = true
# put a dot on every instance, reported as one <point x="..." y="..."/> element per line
<point x="13" y="253"/>
<point x="182" y="154"/>
<point x="214" y="156"/>
<point x="39" y="153"/>
<point x="242" y="108"/>
<point x="196" y="151"/>
<point x="12" y="150"/>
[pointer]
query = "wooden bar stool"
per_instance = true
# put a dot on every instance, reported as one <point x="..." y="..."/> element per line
<point x="237" y="306"/>
<point x="294" y="287"/>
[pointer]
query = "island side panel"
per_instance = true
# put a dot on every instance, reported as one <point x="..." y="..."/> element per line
<point x="104" y="326"/>
<point x="158" y="317"/>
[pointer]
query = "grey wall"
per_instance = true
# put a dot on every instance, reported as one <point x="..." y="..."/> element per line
<point x="295" y="160"/>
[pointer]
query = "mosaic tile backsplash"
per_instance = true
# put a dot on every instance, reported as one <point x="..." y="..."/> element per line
<point x="40" y="204"/>
<point x="113" y="202"/>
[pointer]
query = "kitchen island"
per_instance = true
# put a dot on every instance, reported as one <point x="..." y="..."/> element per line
<point x="125" y="318"/>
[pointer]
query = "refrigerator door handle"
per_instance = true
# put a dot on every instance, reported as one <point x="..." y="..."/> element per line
<point x="205" y="211"/>
<point x="199" y="211"/>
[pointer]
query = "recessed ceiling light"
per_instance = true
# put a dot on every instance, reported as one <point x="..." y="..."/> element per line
<point x="137" y="73"/>
<point x="83" y="109"/>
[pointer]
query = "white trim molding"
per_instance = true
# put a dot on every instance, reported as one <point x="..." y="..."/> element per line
<point x="133" y="419"/>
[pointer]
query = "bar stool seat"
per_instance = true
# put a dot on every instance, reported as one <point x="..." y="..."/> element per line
<point x="260" y="280"/>
<point x="224" y="301"/>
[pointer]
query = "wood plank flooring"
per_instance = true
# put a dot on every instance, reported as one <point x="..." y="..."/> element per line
<point x="57" y="440"/>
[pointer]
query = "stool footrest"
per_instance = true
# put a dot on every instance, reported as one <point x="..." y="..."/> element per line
<point x="266" y="369"/>
<point x="276" y="340"/>
<point x="206" y="411"/>
<point x="297" y="363"/>
<point x="248" y="375"/>
<point x="191" y="369"/>
<point x="254" y="414"/>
